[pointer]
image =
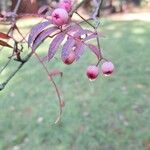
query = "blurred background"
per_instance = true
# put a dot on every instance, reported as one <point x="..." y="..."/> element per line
<point x="112" y="113"/>
<point x="109" y="6"/>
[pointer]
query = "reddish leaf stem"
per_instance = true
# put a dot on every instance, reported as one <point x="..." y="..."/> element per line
<point x="55" y="86"/>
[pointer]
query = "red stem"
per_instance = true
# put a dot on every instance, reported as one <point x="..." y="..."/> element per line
<point x="55" y="86"/>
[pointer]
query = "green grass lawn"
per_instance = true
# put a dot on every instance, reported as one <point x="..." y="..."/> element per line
<point x="109" y="114"/>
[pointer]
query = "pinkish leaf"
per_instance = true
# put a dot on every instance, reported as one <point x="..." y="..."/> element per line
<point x="74" y="28"/>
<point x="36" y="30"/>
<point x="5" y="44"/>
<point x="4" y="36"/>
<point x="42" y="36"/>
<point x="55" y="45"/>
<point x="83" y="32"/>
<point x="79" y="50"/>
<point x="48" y="14"/>
<point x="92" y="36"/>
<point x="10" y="14"/>
<point x="67" y="48"/>
<point x="95" y="50"/>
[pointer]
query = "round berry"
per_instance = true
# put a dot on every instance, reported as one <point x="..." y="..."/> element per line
<point x="70" y="59"/>
<point x="60" y="16"/>
<point x="92" y="72"/>
<point x="66" y="1"/>
<point x="65" y="5"/>
<point x="107" y="68"/>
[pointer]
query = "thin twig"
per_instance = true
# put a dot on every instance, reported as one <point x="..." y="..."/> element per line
<point x="99" y="8"/>
<point x="97" y="38"/>
<point x="2" y="85"/>
<point x="55" y="86"/>
<point x="95" y="15"/>
<point x="85" y="20"/>
<point x="7" y="63"/>
<point x="14" y="11"/>
<point x="23" y="61"/>
<point x="77" y="7"/>
<point x="17" y="6"/>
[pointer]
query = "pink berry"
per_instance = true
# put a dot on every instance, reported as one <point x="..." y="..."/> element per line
<point x="70" y="59"/>
<point x="66" y="1"/>
<point x="60" y="16"/>
<point x="65" y="5"/>
<point x="107" y="68"/>
<point x="92" y="72"/>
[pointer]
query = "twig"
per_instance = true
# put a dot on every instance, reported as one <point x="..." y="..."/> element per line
<point x="7" y="63"/>
<point x="17" y="6"/>
<point x="77" y="7"/>
<point x="95" y="15"/>
<point x="23" y="61"/>
<point x="85" y="20"/>
<point x="99" y="47"/>
<point x="9" y="31"/>
<point x="55" y="86"/>
<point x="2" y="85"/>
<point x="97" y="38"/>
<point x="97" y="9"/>
<point x="15" y="12"/>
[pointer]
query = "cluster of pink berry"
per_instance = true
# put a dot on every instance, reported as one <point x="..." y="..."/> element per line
<point x="60" y="15"/>
<point x="74" y="44"/>
<point x="93" y="71"/>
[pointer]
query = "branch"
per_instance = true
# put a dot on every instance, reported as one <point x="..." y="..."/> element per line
<point x="85" y="20"/>
<point x="55" y="86"/>
<point x="2" y="85"/>
<point x="96" y="14"/>
<point x="17" y="6"/>
<point x="22" y="61"/>
<point x="5" y="66"/>
<point x="77" y="7"/>
<point x="97" y="9"/>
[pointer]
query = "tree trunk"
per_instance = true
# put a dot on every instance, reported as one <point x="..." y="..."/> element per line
<point x="3" y="5"/>
<point x="26" y="6"/>
<point x="137" y="2"/>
